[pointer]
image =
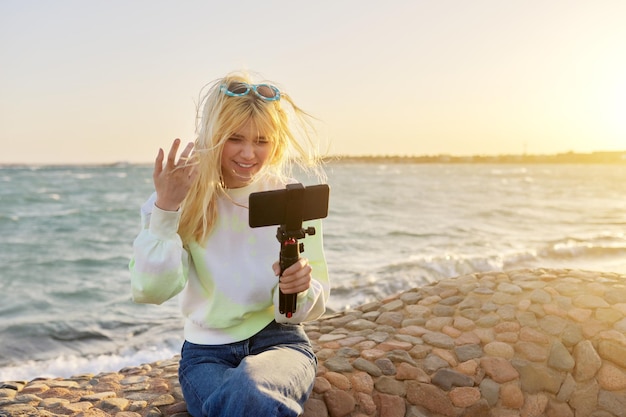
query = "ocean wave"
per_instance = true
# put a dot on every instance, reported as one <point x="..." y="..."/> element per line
<point x="67" y="365"/>
<point x="41" y="341"/>
<point x="602" y="253"/>
<point x="411" y="234"/>
<point x="47" y="214"/>
<point x="575" y="248"/>
<point x="9" y="218"/>
<point x="98" y="259"/>
<point x="449" y="265"/>
<point x="79" y="335"/>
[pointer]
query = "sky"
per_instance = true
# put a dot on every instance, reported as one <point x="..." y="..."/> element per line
<point x="86" y="81"/>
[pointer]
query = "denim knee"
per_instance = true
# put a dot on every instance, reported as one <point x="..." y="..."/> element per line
<point x="271" y="374"/>
<point x="244" y="398"/>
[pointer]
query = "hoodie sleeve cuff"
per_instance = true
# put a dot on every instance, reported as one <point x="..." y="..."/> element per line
<point x="164" y="224"/>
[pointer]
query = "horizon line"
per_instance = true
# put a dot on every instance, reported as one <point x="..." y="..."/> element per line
<point x="440" y="157"/>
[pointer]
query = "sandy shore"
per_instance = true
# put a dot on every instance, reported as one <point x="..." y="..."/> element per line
<point x="519" y="343"/>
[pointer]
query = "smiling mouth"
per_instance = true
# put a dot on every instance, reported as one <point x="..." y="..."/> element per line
<point x="244" y="165"/>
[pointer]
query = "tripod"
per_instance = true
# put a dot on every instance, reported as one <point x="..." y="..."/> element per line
<point x="289" y="208"/>
<point x="290" y="251"/>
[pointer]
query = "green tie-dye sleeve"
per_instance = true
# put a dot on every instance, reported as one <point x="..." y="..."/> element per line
<point x="160" y="265"/>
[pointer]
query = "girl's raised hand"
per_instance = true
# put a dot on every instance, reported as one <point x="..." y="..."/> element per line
<point x="173" y="179"/>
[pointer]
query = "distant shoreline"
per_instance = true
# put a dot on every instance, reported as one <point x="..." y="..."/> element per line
<point x="597" y="157"/>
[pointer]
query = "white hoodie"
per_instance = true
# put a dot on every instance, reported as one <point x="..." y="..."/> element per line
<point x="228" y="290"/>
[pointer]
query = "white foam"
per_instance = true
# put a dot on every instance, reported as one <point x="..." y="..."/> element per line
<point x="66" y="366"/>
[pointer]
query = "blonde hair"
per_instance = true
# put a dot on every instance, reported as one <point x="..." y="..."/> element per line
<point x="288" y="128"/>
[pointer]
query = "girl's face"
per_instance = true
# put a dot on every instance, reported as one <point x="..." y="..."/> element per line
<point x="244" y="155"/>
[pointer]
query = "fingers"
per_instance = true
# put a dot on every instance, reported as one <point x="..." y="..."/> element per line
<point x="185" y="155"/>
<point x="295" y="287"/>
<point x="158" y="162"/>
<point x="296" y="278"/>
<point x="172" y="179"/>
<point x="171" y="156"/>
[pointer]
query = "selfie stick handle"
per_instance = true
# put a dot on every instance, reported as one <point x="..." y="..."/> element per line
<point x="289" y="255"/>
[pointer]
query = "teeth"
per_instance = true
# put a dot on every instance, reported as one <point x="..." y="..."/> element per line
<point x="245" y="165"/>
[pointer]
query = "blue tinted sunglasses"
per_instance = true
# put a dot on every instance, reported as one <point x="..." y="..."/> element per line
<point x="237" y="89"/>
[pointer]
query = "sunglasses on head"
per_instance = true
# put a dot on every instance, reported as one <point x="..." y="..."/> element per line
<point x="237" y="89"/>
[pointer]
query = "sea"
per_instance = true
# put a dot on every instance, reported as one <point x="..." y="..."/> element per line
<point x="66" y="235"/>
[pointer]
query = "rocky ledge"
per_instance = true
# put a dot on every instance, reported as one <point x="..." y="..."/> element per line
<point x="520" y="343"/>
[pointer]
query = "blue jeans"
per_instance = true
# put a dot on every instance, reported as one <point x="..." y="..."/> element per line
<point x="270" y="374"/>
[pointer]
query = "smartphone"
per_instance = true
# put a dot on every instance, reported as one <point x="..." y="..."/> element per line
<point x="278" y="207"/>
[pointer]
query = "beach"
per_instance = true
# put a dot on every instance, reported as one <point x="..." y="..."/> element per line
<point x="529" y="342"/>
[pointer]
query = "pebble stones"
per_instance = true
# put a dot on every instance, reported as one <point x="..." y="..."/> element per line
<point x="147" y="390"/>
<point x="528" y="342"/>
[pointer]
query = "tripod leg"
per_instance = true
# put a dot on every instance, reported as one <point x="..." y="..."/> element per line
<point x="287" y="304"/>
<point x="289" y="255"/>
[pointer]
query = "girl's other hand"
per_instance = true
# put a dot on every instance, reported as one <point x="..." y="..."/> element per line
<point x="296" y="278"/>
<point x="173" y="179"/>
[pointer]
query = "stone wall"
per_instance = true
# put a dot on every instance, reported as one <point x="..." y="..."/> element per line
<point x="520" y="343"/>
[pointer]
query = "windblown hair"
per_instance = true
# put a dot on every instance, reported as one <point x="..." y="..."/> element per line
<point x="287" y="128"/>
